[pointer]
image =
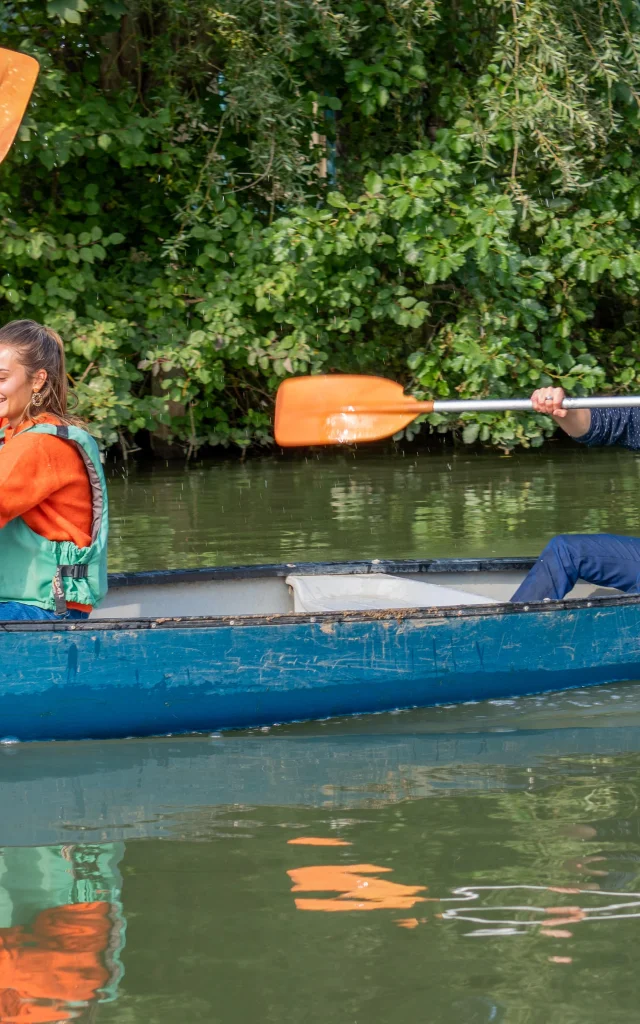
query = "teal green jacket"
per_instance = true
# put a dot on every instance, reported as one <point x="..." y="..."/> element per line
<point x="49" y="573"/>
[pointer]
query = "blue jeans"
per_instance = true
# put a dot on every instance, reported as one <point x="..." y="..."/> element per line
<point x="601" y="558"/>
<point x="14" y="611"/>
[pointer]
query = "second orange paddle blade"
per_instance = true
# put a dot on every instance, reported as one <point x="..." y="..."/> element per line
<point x="340" y="409"/>
<point x="18" y="74"/>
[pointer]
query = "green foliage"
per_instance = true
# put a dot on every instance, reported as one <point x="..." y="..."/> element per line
<point x="476" y="236"/>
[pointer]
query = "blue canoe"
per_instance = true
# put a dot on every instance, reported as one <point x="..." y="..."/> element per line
<point x="188" y="651"/>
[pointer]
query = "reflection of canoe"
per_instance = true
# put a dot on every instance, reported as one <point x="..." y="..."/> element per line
<point x="108" y="791"/>
<point x="217" y="648"/>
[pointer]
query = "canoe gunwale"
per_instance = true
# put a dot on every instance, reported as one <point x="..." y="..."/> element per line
<point x="223" y="574"/>
<point x="404" y="566"/>
<point x="399" y="615"/>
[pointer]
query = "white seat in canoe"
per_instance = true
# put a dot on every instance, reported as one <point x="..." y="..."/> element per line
<point x="334" y="593"/>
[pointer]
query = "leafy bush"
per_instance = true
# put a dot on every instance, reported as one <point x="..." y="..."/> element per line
<point x="476" y="234"/>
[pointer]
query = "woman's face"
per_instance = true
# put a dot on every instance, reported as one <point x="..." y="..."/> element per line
<point x="16" y="388"/>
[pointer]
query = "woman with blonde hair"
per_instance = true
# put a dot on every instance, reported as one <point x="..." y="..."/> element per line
<point x="53" y="497"/>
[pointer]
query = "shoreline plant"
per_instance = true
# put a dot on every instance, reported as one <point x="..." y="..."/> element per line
<point x="206" y="197"/>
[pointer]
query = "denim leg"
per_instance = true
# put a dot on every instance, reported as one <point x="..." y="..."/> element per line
<point x="15" y="611"/>
<point x="604" y="559"/>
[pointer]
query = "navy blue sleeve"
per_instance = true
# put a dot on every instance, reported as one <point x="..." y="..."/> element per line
<point x="613" y="426"/>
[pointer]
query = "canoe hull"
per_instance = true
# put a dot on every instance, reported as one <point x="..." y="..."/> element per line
<point x="102" y="680"/>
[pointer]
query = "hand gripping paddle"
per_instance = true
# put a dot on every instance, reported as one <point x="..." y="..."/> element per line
<point x="345" y="408"/>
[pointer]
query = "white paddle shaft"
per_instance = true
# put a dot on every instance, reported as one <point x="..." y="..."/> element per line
<point x="516" y="404"/>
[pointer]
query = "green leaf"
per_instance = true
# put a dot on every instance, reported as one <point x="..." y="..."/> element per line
<point x="470" y="432"/>
<point x="104" y="141"/>
<point x="373" y="183"/>
<point x="338" y="200"/>
<point x="67" y="10"/>
<point x="400" y="207"/>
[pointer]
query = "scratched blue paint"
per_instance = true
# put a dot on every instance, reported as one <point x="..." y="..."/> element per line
<point x="108" y="682"/>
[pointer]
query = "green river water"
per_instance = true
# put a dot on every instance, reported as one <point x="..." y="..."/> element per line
<point x="336" y="506"/>
<point x="469" y="864"/>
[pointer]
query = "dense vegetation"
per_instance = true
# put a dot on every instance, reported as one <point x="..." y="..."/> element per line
<point x="208" y="195"/>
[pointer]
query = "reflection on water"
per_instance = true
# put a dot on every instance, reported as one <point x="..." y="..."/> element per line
<point x="498" y="844"/>
<point x="516" y="918"/>
<point x="361" y="888"/>
<point x="61" y="931"/>
<point x="338" y="506"/>
<point x="358" y="885"/>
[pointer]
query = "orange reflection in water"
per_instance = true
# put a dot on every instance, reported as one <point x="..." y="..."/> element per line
<point x="315" y="841"/>
<point x="358" y="892"/>
<point x="58" y="961"/>
<point x="563" y="915"/>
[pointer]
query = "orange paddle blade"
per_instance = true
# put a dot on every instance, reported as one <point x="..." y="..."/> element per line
<point x="18" y="74"/>
<point x="342" y="409"/>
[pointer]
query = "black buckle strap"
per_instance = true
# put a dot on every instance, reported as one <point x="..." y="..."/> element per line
<point x="76" y="572"/>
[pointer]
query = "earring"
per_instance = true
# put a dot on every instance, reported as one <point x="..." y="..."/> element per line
<point x="37" y="398"/>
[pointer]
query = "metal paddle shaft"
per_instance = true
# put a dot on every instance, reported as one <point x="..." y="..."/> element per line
<point x="347" y="408"/>
<point x="524" y="404"/>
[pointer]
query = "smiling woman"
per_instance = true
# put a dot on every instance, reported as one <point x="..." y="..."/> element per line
<point x="53" y="500"/>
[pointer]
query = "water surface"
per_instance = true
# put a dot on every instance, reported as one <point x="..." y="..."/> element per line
<point x="457" y="865"/>
<point x="337" y="506"/>
<point x="470" y="864"/>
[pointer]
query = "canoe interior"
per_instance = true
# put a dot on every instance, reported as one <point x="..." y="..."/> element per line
<point x="262" y="590"/>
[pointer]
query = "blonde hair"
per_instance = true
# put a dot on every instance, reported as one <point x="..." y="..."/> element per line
<point x="40" y="348"/>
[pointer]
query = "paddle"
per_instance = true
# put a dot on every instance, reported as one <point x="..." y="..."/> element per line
<point x="18" y="74"/>
<point x="345" y="408"/>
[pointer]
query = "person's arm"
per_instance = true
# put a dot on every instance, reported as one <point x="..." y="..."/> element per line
<point x="28" y="475"/>
<point x="593" y="427"/>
